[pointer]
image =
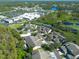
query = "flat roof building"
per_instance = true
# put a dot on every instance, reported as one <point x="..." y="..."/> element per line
<point x="8" y="20"/>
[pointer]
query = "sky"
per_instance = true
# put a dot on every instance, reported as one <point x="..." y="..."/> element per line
<point x="39" y="0"/>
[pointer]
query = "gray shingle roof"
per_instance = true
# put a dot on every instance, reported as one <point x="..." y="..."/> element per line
<point x="36" y="55"/>
<point x="33" y="41"/>
<point x="30" y="40"/>
<point x="41" y="54"/>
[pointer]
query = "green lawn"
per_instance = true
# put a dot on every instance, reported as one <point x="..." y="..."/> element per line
<point x="15" y="26"/>
<point x="75" y="27"/>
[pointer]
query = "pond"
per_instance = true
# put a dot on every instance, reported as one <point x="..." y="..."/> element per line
<point x="77" y="24"/>
<point x="67" y="23"/>
<point x="54" y="8"/>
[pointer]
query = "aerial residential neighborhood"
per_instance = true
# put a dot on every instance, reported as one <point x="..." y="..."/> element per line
<point x="39" y="29"/>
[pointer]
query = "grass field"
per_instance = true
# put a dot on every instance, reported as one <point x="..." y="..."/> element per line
<point x="15" y="26"/>
<point x="74" y="27"/>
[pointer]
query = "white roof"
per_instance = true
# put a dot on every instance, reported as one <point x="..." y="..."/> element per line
<point x="36" y="47"/>
<point x="44" y="42"/>
<point x="1" y="16"/>
<point x="24" y="35"/>
<point x="29" y="16"/>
